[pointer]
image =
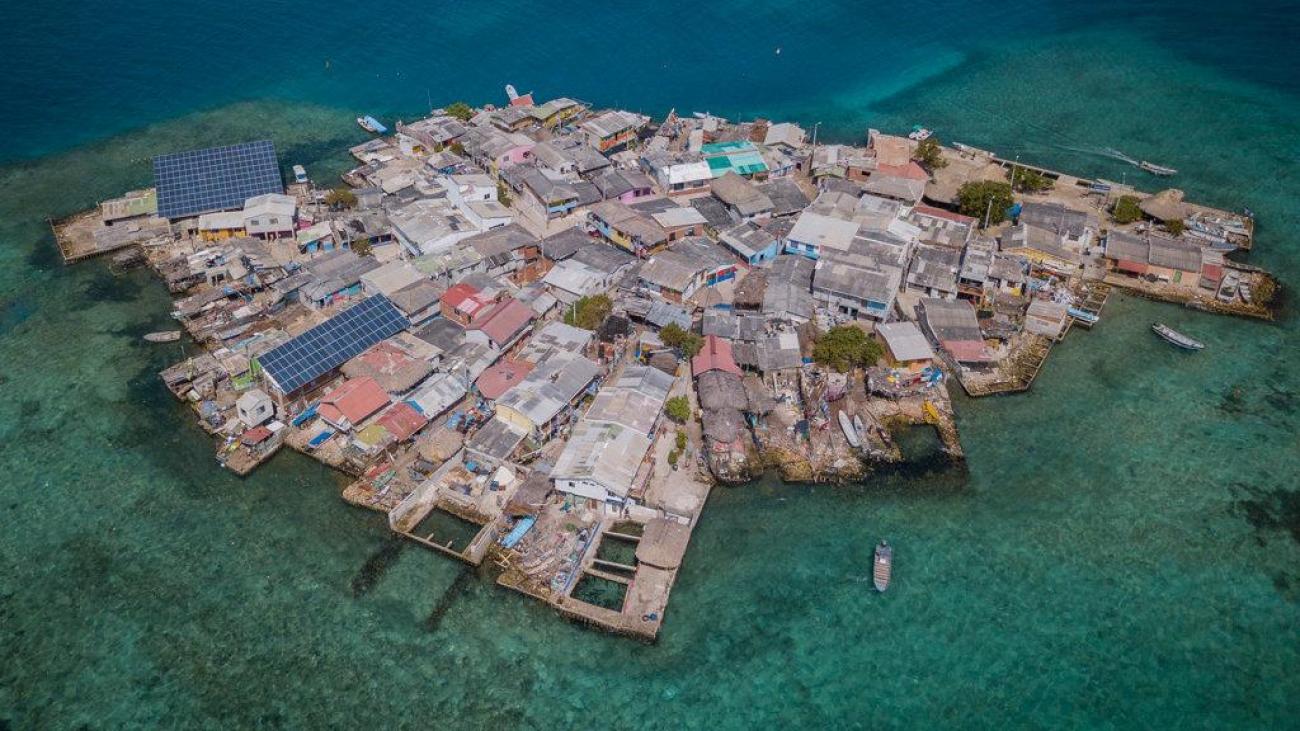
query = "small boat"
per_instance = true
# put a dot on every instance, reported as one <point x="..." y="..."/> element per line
<point x="164" y="336"/>
<point x="1171" y="335"/>
<point x="883" y="566"/>
<point x="1155" y="169"/>
<point x="1090" y="318"/>
<point x="919" y="133"/>
<point x="859" y="427"/>
<point x="511" y="93"/>
<point x="850" y="433"/>
<point x="299" y="174"/>
<point x="370" y="124"/>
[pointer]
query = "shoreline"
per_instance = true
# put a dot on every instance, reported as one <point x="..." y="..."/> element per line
<point x="458" y="458"/>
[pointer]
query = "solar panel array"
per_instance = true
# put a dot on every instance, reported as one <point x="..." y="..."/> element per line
<point x="214" y="179"/>
<point x="332" y="343"/>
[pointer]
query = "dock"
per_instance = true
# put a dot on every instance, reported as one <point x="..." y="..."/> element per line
<point x="498" y="378"/>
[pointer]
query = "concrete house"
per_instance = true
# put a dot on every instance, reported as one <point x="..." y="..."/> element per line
<point x="742" y="198"/>
<point x="612" y="129"/>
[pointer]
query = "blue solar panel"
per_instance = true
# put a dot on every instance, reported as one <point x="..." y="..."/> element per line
<point x="214" y="179"/>
<point x="332" y="343"/>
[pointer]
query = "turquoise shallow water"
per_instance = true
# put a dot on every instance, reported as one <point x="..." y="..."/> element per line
<point x="1120" y="550"/>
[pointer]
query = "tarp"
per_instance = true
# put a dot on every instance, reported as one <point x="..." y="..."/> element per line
<point x="521" y="529"/>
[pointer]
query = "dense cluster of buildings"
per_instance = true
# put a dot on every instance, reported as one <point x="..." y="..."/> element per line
<point x="436" y="303"/>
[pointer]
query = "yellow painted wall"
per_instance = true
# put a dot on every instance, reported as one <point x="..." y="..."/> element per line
<point x="510" y="416"/>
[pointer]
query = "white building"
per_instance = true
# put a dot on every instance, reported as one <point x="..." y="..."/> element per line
<point x="254" y="408"/>
<point x="270" y="216"/>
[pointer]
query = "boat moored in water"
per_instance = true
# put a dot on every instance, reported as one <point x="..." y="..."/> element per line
<point x="370" y="124"/>
<point x="919" y="133"/>
<point x="883" y="565"/>
<point x="163" y="336"/>
<point x="1174" y="337"/>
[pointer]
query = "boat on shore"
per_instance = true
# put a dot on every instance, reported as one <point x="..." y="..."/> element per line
<point x="883" y="565"/>
<point x="370" y="124"/>
<point x="163" y="336"/>
<point x="1174" y="337"/>
<point x="850" y="433"/>
<point x="1155" y="169"/>
<point x="859" y="427"/>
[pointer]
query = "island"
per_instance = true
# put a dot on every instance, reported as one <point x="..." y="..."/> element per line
<point x="536" y="335"/>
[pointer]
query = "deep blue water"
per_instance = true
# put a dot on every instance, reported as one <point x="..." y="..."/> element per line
<point x="1121" y="549"/>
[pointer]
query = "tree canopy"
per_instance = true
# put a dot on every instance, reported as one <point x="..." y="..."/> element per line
<point x="1127" y="210"/>
<point x="974" y="197"/>
<point x="459" y="110"/>
<point x="340" y="198"/>
<point x="846" y="347"/>
<point x="930" y="154"/>
<point x="1029" y="181"/>
<point x="588" y="312"/>
<point x="675" y="337"/>
<point x="678" y="409"/>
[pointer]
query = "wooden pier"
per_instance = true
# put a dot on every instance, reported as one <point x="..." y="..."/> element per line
<point x="1017" y="375"/>
<point x="1095" y="296"/>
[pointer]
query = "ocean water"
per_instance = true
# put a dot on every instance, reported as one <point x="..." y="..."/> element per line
<point x="1119" y="550"/>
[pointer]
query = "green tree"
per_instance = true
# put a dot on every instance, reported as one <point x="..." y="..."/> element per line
<point x="588" y="312"/>
<point x="974" y="199"/>
<point x="341" y="198"/>
<point x="675" y="337"/>
<point x="1029" y="181"/>
<point x="846" y="347"/>
<point x="458" y="148"/>
<point x="459" y="110"/>
<point x="1175" y="226"/>
<point x="681" y="440"/>
<point x="1126" y="210"/>
<point x="930" y="154"/>
<point x="503" y="193"/>
<point x="361" y="247"/>
<point x="678" y="409"/>
<point x="673" y="459"/>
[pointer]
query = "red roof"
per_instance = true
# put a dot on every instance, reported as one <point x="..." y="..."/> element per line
<point x="256" y="435"/>
<point x="402" y="421"/>
<point x="941" y="213"/>
<point x="386" y="357"/>
<point x="457" y="293"/>
<point x="910" y="170"/>
<point x="466" y="299"/>
<point x="714" y="356"/>
<point x="353" y="402"/>
<point x="522" y="101"/>
<point x="1212" y="272"/>
<point x="505" y="320"/>
<point x="503" y="376"/>
<point x="968" y="351"/>
<point x="1127" y="265"/>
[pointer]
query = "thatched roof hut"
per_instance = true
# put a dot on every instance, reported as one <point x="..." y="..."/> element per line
<point x="720" y="390"/>
<point x="1167" y="205"/>
<point x="749" y="291"/>
<point x="757" y="397"/>
<point x="723" y="425"/>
